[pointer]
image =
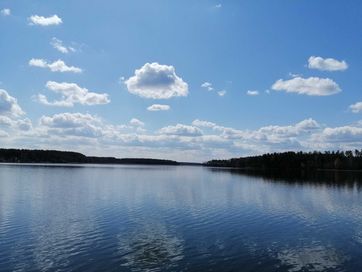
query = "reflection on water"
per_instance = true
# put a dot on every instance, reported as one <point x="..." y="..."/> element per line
<point x="150" y="247"/>
<point x="350" y="179"/>
<point x="316" y="258"/>
<point x="130" y="218"/>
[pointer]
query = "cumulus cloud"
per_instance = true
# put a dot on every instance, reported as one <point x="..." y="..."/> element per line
<point x="313" y="86"/>
<point x="203" y="123"/>
<point x="45" y="21"/>
<point x="68" y="120"/>
<point x="156" y="81"/>
<point x="264" y="139"/>
<point x="12" y="120"/>
<point x="56" y="66"/>
<point x="15" y="123"/>
<point x="72" y="94"/>
<point x="201" y="140"/>
<point x="344" y="137"/>
<point x="207" y="85"/>
<point x="158" y="107"/>
<point x="136" y="122"/>
<point x="5" y="12"/>
<point x="74" y="124"/>
<point x="278" y="132"/>
<point x="58" y="45"/>
<point x="328" y="64"/>
<point x="252" y="93"/>
<point x="221" y="93"/>
<point x="357" y="107"/>
<point x="9" y="105"/>
<point x="23" y="124"/>
<point x="181" y="130"/>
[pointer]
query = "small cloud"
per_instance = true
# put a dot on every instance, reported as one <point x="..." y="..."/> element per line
<point x="252" y="93"/>
<point x="221" y="93"/>
<point x="207" y="85"/>
<point x="356" y="108"/>
<point x="121" y="80"/>
<point x="218" y="6"/>
<point x="45" y="21"/>
<point x="267" y="91"/>
<point x="58" y="45"/>
<point x="313" y="86"/>
<point x="328" y="64"/>
<point x="136" y="122"/>
<point x="158" y="107"/>
<point x="56" y="66"/>
<point x="156" y="81"/>
<point x="294" y="75"/>
<point x="5" y="12"/>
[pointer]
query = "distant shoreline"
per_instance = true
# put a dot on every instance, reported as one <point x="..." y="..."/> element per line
<point x="296" y="161"/>
<point x="273" y="162"/>
<point x="28" y="156"/>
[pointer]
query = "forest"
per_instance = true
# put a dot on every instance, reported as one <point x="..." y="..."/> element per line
<point x="287" y="161"/>
<point x="54" y="156"/>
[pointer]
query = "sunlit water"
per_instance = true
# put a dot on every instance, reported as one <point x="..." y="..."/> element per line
<point x="140" y="218"/>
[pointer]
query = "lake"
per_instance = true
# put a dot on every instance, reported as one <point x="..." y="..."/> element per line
<point x="175" y="218"/>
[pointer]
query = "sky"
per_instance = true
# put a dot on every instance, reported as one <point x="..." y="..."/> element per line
<point x="182" y="80"/>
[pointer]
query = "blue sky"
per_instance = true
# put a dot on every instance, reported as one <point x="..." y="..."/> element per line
<point x="233" y="78"/>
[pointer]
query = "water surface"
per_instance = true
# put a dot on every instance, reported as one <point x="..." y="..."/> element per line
<point x="173" y="218"/>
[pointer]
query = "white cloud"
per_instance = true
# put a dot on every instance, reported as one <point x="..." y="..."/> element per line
<point x="156" y="81"/>
<point x="278" y="132"/>
<point x="74" y="124"/>
<point x="68" y="120"/>
<point x="158" y="107"/>
<point x="218" y="6"/>
<point x="201" y="140"/>
<point x="252" y="93"/>
<point x="202" y="123"/>
<point x="294" y="75"/>
<point x="265" y="139"/>
<point x="313" y="86"/>
<point x="45" y="21"/>
<point x="56" y="66"/>
<point x="5" y="12"/>
<point x="357" y="107"/>
<point x="207" y="85"/>
<point x="344" y="137"/>
<point x="136" y="122"/>
<point x="58" y="45"/>
<point x="12" y="122"/>
<point x="181" y="130"/>
<point x="9" y="105"/>
<point x="328" y="64"/>
<point x="23" y="124"/>
<point x="72" y="94"/>
<point x="15" y="123"/>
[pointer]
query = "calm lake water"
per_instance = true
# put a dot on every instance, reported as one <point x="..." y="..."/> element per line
<point x="155" y="218"/>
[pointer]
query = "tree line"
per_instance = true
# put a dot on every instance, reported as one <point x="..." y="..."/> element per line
<point x="55" y="156"/>
<point x="339" y="160"/>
